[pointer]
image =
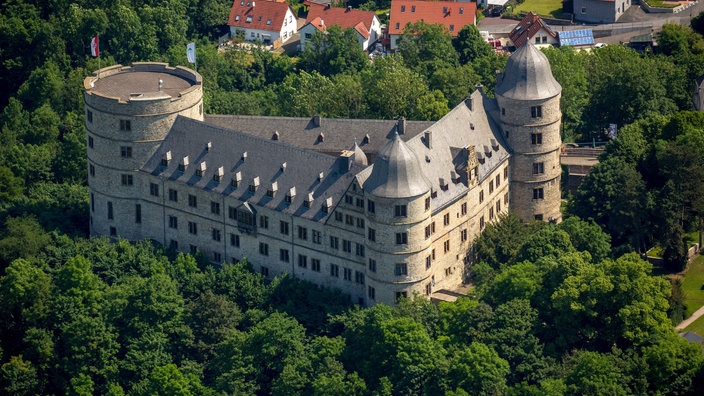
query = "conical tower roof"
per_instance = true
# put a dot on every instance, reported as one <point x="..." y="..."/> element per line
<point x="528" y="76"/>
<point x="396" y="172"/>
<point x="359" y="156"/>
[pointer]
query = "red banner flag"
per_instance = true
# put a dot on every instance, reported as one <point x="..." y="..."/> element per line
<point x="94" y="48"/>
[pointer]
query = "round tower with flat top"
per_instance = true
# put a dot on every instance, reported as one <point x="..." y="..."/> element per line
<point x="529" y="103"/>
<point x="129" y="111"/>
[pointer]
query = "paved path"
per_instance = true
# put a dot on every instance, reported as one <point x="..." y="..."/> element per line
<point x="691" y="319"/>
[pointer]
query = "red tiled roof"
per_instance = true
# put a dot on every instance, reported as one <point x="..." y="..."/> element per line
<point x="319" y="24"/>
<point x="447" y="13"/>
<point x="527" y="28"/>
<point x="342" y="17"/>
<point x="261" y="14"/>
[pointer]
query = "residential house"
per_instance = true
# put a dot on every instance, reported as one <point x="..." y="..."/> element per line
<point x="451" y="14"/>
<point x="599" y="11"/>
<point x="268" y="21"/>
<point x="532" y="27"/>
<point x="320" y="16"/>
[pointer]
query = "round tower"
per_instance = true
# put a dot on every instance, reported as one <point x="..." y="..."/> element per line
<point x="129" y="111"/>
<point x="529" y="101"/>
<point x="398" y="210"/>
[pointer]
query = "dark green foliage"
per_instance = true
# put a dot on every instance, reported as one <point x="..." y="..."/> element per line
<point x="334" y="51"/>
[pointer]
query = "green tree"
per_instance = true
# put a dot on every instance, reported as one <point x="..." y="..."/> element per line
<point x="19" y="377"/>
<point x="427" y="47"/>
<point x="333" y="51"/>
<point x="456" y="83"/>
<point x="593" y="373"/>
<point x="478" y="369"/>
<point x="470" y="45"/>
<point x="391" y="89"/>
<point x="587" y="237"/>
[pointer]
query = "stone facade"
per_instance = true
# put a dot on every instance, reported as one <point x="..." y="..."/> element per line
<point x="333" y="220"/>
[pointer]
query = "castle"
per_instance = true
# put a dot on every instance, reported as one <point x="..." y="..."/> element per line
<point x="378" y="209"/>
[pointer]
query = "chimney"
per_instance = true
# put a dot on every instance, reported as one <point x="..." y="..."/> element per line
<point x="209" y="146"/>
<point x="469" y="102"/>
<point x="345" y="161"/>
<point x="316" y="120"/>
<point x="428" y="139"/>
<point x="275" y="136"/>
<point x="348" y="9"/>
<point x="401" y="125"/>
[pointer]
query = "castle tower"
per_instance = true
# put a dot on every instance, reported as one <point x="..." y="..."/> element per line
<point x="529" y="100"/>
<point x="129" y="111"/>
<point x="398" y="210"/>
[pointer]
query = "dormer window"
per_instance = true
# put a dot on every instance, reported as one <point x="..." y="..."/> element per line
<point x="255" y="184"/>
<point x="219" y="174"/>
<point x="166" y="159"/>
<point x="237" y="18"/>
<point x="184" y="164"/>
<point x="268" y="21"/>
<point x="290" y="195"/>
<point x="309" y="200"/>
<point x="274" y="188"/>
<point x="249" y="19"/>
<point x="235" y="182"/>
<point x="201" y="169"/>
<point x="259" y="19"/>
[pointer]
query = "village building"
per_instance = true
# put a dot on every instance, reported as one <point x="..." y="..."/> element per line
<point x="378" y="209"/>
<point x="321" y="16"/>
<point x="599" y="11"/>
<point x="453" y="15"/>
<point x="270" y="21"/>
<point x="532" y="28"/>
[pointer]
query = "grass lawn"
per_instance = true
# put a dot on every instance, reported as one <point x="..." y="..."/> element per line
<point x="696" y="327"/>
<point x="692" y="286"/>
<point x="549" y="8"/>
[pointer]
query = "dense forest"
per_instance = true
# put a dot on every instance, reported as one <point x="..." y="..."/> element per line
<point x="556" y="309"/>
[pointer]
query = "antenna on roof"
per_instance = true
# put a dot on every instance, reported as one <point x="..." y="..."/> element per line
<point x="161" y="83"/>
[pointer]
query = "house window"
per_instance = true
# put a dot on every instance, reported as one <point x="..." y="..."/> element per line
<point x="452" y="28"/>
<point x="138" y="213"/>
<point x="498" y="181"/>
<point x="91" y="170"/>
<point x="110" y="213"/>
<point x="346" y="246"/>
<point x="125" y="151"/>
<point x="264" y="222"/>
<point x="193" y="249"/>
<point x="113" y="231"/>
<point x="401" y="238"/>
<point x="92" y="202"/>
<point x="309" y="36"/>
<point x="359" y="249"/>
<point x="536" y="138"/>
<point x="127" y="180"/>
<point x="360" y="222"/>
<point x="315" y="265"/>
<point x="302" y="233"/>
<point x="359" y="277"/>
<point x="400" y="295"/>
<point x="444" y="10"/>
<point x="371" y="234"/>
<point x="125" y="125"/>
<point x="446" y="246"/>
<point x="89" y="116"/>
<point x="428" y="262"/>
<point x="503" y="111"/>
<point x="537" y="39"/>
<point x="90" y="141"/>
<point x="545" y="39"/>
<point x="154" y="189"/>
<point x="372" y="265"/>
<point x="498" y="207"/>
<point x="335" y="270"/>
<point x="173" y="222"/>
<point x="268" y="21"/>
<point x="214" y="207"/>
<point x="302" y="261"/>
<point x="370" y="206"/>
<point x="359" y="202"/>
<point x="283" y="227"/>
<point x="463" y="235"/>
<point x="173" y="195"/>
<point x="317" y="237"/>
<point x="536" y="111"/>
<point x="539" y="217"/>
<point x="283" y="255"/>
<point x="349" y="220"/>
<point x="338" y="216"/>
<point x="237" y="18"/>
<point x="584" y="10"/>
<point x="401" y="269"/>
<point x="371" y="293"/>
<point x="538" y="168"/>
<point x="505" y="173"/>
<point x="334" y="242"/>
<point x="446" y="219"/>
<point x="400" y="210"/>
<point x="217" y="257"/>
<point x="461" y="10"/>
<point x="491" y="186"/>
<point x="249" y="19"/>
<point x="232" y="213"/>
<point x="481" y="223"/>
<point x="506" y="199"/>
<point x="481" y="196"/>
<point x="192" y="228"/>
<point x="538" y="193"/>
<point x="263" y="249"/>
<point x="216" y="235"/>
<point x="398" y="26"/>
<point x="264" y="270"/>
<point x="173" y="244"/>
<point x="234" y="240"/>
<point x="347" y="274"/>
<point x="349" y="199"/>
<point x="403" y="8"/>
<point x="491" y="213"/>
<point x="463" y="209"/>
<point x="192" y="201"/>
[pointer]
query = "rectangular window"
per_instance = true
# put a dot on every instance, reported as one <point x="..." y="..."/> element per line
<point x="463" y="209"/>
<point x="125" y="151"/>
<point x="359" y="249"/>
<point x="403" y="8"/>
<point x="173" y="244"/>
<point x="317" y="237"/>
<point x="334" y="242"/>
<point x="359" y="277"/>
<point x="349" y="199"/>
<point x="264" y="221"/>
<point x="506" y="199"/>
<point x="401" y="238"/>
<point x="481" y="196"/>
<point x="216" y="235"/>
<point x="283" y="255"/>
<point x="192" y="228"/>
<point x="481" y="223"/>
<point x="347" y="274"/>
<point x="173" y="222"/>
<point x="217" y="257"/>
<point x="302" y="233"/>
<point x="537" y="39"/>
<point x="192" y="201"/>
<point x="113" y="231"/>
<point x="173" y="195"/>
<point x="538" y="168"/>
<point x="491" y="214"/>
<point x="92" y="202"/>
<point x="232" y="213"/>
<point x="506" y="173"/>
<point x="346" y="246"/>
<point x="538" y="193"/>
<point x="125" y="125"/>
<point x="234" y="240"/>
<point x="400" y="295"/>
<point x="372" y="265"/>
<point x="446" y="219"/>
<point x="371" y="293"/>
<point x="463" y="235"/>
<point x="338" y="216"/>
<point x="539" y="217"/>
<point x="263" y="249"/>
<point x="315" y="265"/>
<point x="360" y="222"/>
<point x="283" y="227"/>
<point x="91" y="170"/>
<point x="154" y="189"/>
<point x="127" y="180"/>
<point x="359" y="202"/>
<point x="302" y="261"/>
<point x="349" y="220"/>
<point x="138" y="213"/>
<point x="400" y="211"/>
<point x="498" y="207"/>
<point x="428" y="262"/>
<point x="446" y="246"/>
<point x="498" y="181"/>
<point x="89" y="116"/>
<point x="110" y="213"/>
<point x="491" y="186"/>
<point x="193" y="249"/>
<point x="370" y="206"/>
<point x="371" y="234"/>
<point x="536" y="138"/>
<point x="90" y="141"/>
<point x="584" y="10"/>
<point x="401" y="269"/>
<point x="536" y="111"/>
<point x="334" y="270"/>
<point x="214" y="207"/>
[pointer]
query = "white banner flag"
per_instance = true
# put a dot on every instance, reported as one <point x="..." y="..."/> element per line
<point x="191" y="52"/>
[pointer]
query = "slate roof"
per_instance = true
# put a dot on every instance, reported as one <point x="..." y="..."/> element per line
<point x="528" y="76"/>
<point x="345" y="18"/>
<point x="264" y="160"/>
<point x="261" y="14"/>
<point x="337" y="133"/>
<point x="396" y="172"/>
<point x="446" y="13"/>
<point x="527" y="28"/>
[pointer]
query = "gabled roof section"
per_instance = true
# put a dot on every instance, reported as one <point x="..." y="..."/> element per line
<point x="343" y="17"/>
<point x="453" y="15"/>
<point x="258" y="14"/>
<point x="527" y="28"/>
<point x="266" y="163"/>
